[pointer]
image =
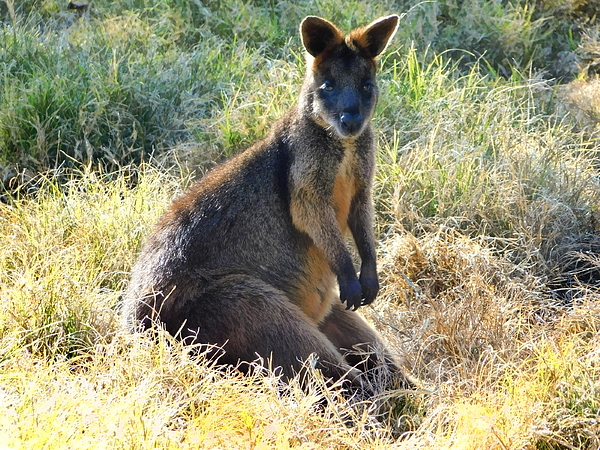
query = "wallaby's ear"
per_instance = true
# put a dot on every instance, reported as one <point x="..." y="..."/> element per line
<point x="319" y="34"/>
<point x="374" y="38"/>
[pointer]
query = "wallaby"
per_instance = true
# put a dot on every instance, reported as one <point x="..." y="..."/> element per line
<point x="251" y="256"/>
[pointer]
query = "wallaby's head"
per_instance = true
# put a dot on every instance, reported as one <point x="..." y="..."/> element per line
<point x="340" y="89"/>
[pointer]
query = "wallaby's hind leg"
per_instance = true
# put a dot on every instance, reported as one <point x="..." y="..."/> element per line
<point x="249" y="318"/>
<point x="351" y="334"/>
<point x="362" y="347"/>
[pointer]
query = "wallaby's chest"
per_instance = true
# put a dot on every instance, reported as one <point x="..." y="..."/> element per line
<point x="344" y="187"/>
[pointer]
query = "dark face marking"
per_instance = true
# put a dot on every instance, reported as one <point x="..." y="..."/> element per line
<point x="345" y="91"/>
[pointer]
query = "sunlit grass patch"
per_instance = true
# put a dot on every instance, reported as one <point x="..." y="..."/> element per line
<point x="485" y="155"/>
<point x="70" y="251"/>
<point x="139" y="392"/>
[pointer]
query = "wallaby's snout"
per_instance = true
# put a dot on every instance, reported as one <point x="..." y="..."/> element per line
<point x="357" y="100"/>
<point x="351" y="122"/>
<point x="346" y="95"/>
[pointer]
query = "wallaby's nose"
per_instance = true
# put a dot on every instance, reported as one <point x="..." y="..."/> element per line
<point x="351" y="122"/>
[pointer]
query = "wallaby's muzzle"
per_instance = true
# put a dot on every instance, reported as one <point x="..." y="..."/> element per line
<point x="351" y="123"/>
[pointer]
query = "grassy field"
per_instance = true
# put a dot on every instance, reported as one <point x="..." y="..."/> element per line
<point x="488" y="221"/>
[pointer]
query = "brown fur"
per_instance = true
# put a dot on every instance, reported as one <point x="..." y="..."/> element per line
<point x="250" y="257"/>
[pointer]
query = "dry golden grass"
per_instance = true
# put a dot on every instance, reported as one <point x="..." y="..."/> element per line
<point x="135" y="393"/>
<point x="67" y="252"/>
<point x="500" y="363"/>
<point x="582" y="100"/>
<point x="506" y="367"/>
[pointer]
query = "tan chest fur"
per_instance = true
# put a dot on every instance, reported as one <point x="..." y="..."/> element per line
<point x="344" y="188"/>
<point x="318" y="288"/>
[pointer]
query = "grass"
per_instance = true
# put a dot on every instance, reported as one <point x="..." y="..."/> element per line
<point x="487" y="199"/>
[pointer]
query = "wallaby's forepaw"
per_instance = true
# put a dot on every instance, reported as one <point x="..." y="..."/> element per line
<point x="370" y="288"/>
<point x="351" y="293"/>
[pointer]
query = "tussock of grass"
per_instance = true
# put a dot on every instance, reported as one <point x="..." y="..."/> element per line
<point x="521" y="372"/>
<point x="69" y="254"/>
<point x="484" y="155"/>
<point x="581" y="99"/>
<point x="451" y="303"/>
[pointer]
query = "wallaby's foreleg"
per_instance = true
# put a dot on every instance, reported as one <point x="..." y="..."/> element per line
<point x="360" y="221"/>
<point x="313" y="213"/>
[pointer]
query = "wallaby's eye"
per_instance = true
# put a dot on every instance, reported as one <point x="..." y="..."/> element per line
<point x="327" y="86"/>
<point x="368" y="86"/>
